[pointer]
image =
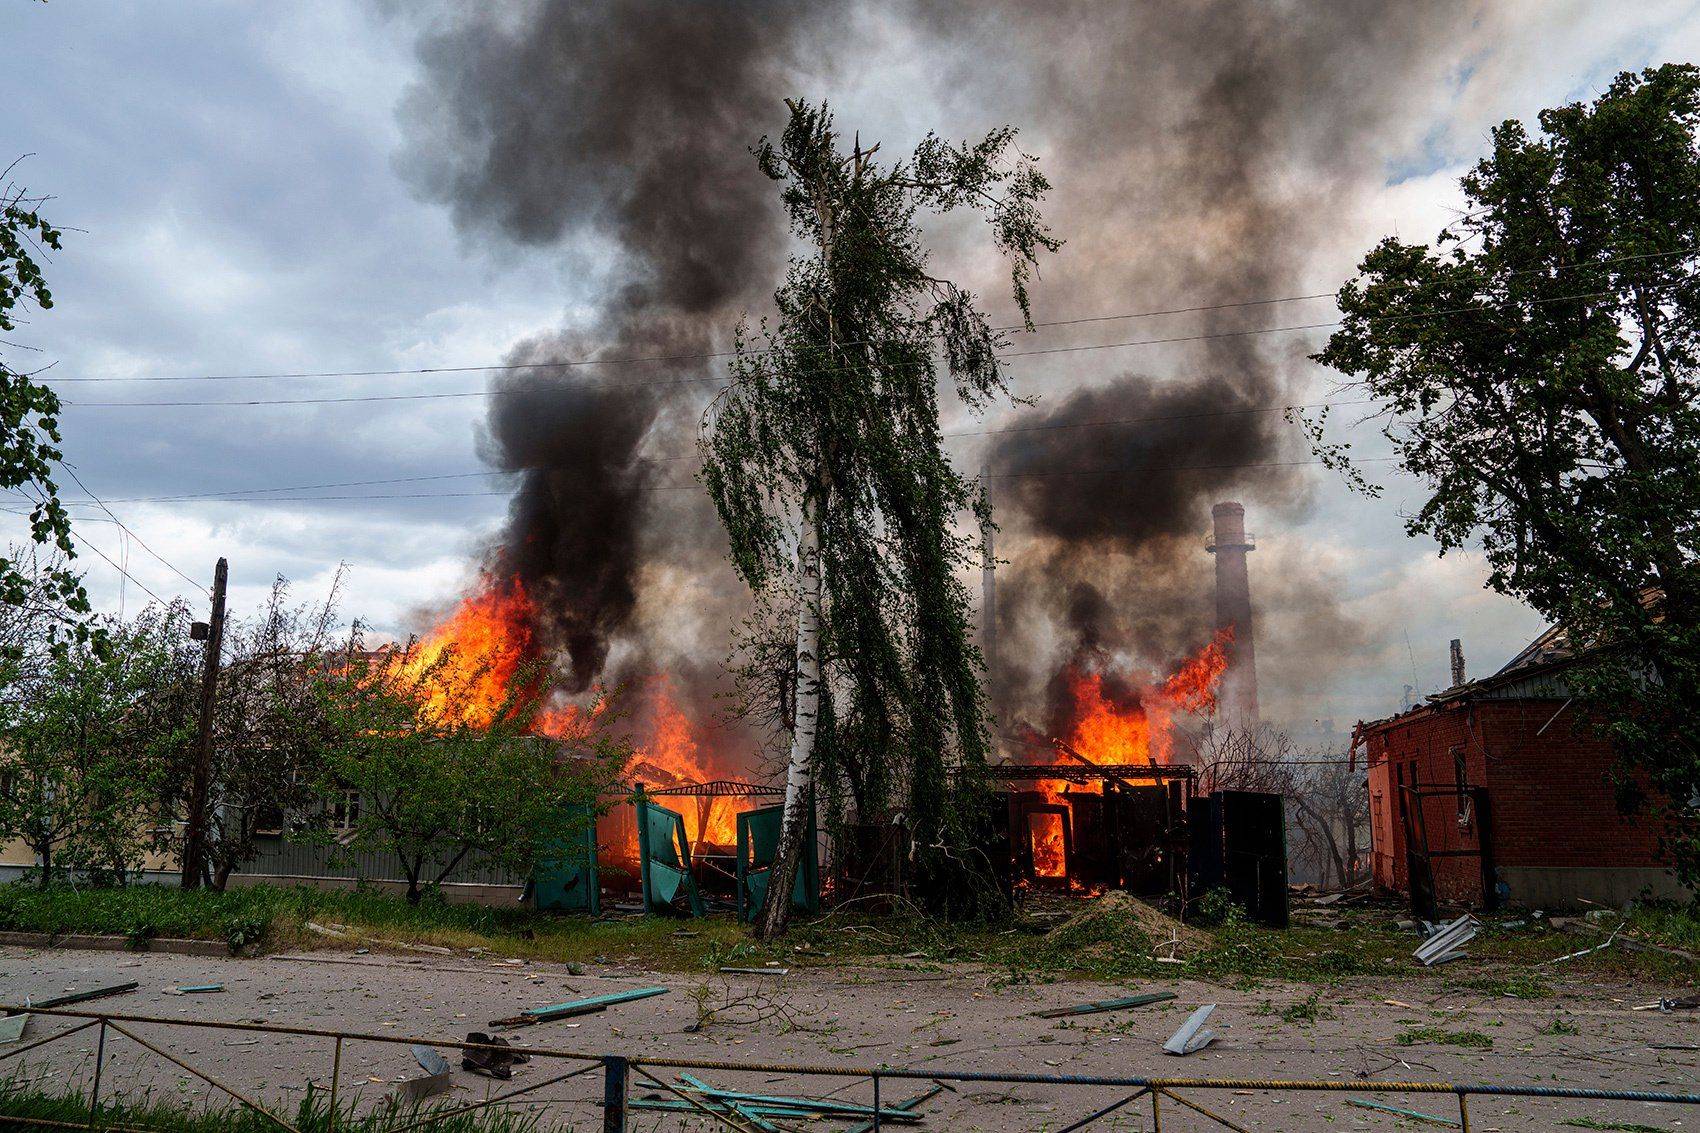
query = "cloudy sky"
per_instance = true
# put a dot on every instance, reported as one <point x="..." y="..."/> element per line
<point x="241" y="192"/>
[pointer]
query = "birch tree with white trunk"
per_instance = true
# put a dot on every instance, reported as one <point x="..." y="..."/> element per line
<point x="824" y="458"/>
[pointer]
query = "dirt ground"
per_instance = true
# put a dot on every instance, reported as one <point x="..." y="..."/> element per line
<point x="963" y="1018"/>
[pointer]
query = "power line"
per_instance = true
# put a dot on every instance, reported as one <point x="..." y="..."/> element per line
<point x="704" y="356"/>
<point x="239" y="492"/>
<point x="716" y="379"/>
<point x="132" y="534"/>
<point x="228" y="498"/>
<point x="83" y="540"/>
<point x="711" y="355"/>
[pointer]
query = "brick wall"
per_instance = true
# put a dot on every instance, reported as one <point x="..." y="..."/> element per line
<point x="1550" y="802"/>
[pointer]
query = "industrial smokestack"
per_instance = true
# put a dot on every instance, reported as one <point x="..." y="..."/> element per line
<point x="1457" y="662"/>
<point x="1238" y="702"/>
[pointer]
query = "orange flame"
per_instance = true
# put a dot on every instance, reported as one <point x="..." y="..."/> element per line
<point x="672" y="756"/>
<point x="474" y="656"/>
<point x="1137" y="729"/>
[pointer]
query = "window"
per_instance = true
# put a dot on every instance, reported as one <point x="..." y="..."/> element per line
<point x="1461" y="776"/>
<point x="345" y="810"/>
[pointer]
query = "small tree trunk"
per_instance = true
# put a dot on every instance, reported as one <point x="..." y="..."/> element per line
<point x="800" y="772"/>
<point x="413" y="893"/>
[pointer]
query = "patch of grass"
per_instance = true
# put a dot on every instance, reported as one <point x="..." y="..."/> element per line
<point x="1306" y="1011"/>
<point x="1518" y="985"/>
<point x="23" y="1102"/>
<point x="1473" y="1040"/>
<point x="1560" y="1026"/>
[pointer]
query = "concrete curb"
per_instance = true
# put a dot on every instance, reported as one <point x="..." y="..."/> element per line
<point x="217" y="948"/>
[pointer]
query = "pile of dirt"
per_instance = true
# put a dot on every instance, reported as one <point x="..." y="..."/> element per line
<point x="1120" y="923"/>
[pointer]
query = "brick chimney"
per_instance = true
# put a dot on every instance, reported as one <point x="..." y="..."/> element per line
<point x="1238" y="702"/>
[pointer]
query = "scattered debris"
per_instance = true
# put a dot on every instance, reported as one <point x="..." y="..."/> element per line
<point x="1397" y="1112"/>
<point x="1191" y="1037"/>
<point x="83" y="996"/>
<point x="908" y="1105"/>
<point x="576" y="1007"/>
<point x="773" y="1105"/>
<point x="431" y="1060"/>
<point x="1107" y="1005"/>
<point x="1445" y="941"/>
<point x="1610" y="940"/>
<point x="1686" y="1003"/>
<point x="13" y="1023"/>
<point x="195" y="989"/>
<point x="327" y="930"/>
<point x="432" y="949"/>
<point x="479" y="1057"/>
<point x="415" y="1090"/>
<point x="757" y="971"/>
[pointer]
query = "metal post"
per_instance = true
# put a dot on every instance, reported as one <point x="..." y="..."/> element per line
<point x="613" y="1094"/>
<point x="1463" y="1109"/>
<point x="99" y="1062"/>
<point x="1156" y="1112"/>
<point x="876" y="1077"/>
<point x="336" y="1076"/>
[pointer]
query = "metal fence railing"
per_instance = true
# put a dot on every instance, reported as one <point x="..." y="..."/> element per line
<point x="751" y="1112"/>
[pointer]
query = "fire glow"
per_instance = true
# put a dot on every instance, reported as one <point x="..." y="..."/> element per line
<point x="1114" y="721"/>
<point x="478" y="653"/>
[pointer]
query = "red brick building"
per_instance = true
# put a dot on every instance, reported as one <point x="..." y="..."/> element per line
<point x="1495" y="792"/>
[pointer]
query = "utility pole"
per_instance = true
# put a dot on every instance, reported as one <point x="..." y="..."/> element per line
<point x="195" y="830"/>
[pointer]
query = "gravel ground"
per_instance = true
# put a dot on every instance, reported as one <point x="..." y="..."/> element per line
<point x="962" y="1019"/>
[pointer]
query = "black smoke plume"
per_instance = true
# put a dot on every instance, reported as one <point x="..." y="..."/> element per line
<point x="1202" y="151"/>
<point x="620" y="131"/>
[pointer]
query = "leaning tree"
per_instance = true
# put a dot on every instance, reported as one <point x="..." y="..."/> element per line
<point x="824" y="459"/>
<point x="1539" y="370"/>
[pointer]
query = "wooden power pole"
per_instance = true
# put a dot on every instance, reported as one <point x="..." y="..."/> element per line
<point x="200" y="786"/>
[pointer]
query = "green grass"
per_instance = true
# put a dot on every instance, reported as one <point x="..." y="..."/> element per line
<point x="311" y="1116"/>
<point x="1515" y="984"/>
<point x="1109" y="947"/>
<point x="1473" y="1040"/>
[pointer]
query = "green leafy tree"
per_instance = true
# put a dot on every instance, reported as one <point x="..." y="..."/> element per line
<point x="271" y="729"/>
<point x="86" y="739"/>
<point x="823" y="457"/>
<point x="1538" y="372"/>
<point x="29" y="420"/>
<point x="437" y="786"/>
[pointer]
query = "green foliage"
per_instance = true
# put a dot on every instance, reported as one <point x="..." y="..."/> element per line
<point x="29" y="427"/>
<point x="1471" y="1040"/>
<point x="438" y="785"/>
<point x="1306" y="1011"/>
<point x="833" y="424"/>
<point x="270" y="729"/>
<point x="1560" y="1026"/>
<point x="87" y="729"/>
<point x="1218" y="907"/>
<point x="1538" y="372"/>
<point x="26" y="1100"/>
<point x="1517" y="985"/>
